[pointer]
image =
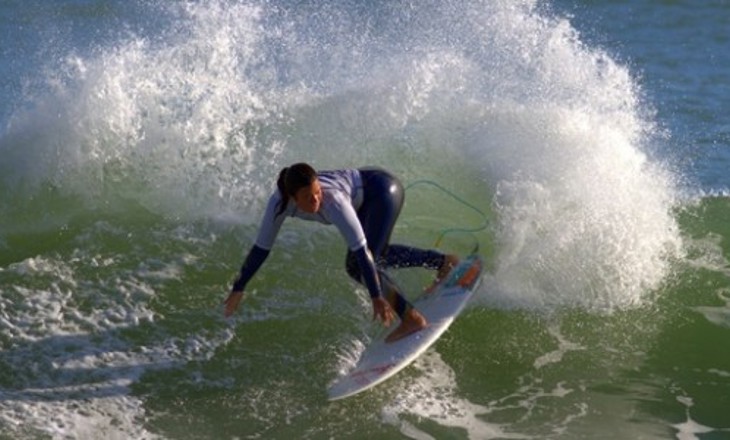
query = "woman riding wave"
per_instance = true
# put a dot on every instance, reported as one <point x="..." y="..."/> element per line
<point x="364" y="205"/>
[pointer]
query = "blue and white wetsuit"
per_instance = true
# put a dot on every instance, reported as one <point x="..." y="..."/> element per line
<point x="364" y="206"/>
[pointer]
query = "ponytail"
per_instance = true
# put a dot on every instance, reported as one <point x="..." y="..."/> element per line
<point x="291" y="179"/>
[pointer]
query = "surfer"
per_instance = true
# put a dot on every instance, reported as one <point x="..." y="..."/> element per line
<point x="364" y="205"/>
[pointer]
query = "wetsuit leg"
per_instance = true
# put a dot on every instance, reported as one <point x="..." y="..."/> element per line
<point x="405" y="256"/>
<point x="383" y="200"/>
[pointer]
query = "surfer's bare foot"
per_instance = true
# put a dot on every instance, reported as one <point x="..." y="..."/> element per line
<point x="412" y="322"/>
<point x="450" y="261"/>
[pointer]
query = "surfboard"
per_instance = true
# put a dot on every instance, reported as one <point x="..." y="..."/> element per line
<point x="441" y="306"/>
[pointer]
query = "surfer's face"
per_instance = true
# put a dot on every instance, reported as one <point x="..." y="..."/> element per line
<point x="309" y="198"/>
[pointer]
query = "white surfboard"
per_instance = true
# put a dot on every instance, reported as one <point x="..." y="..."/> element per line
<point x="382" y="360"/>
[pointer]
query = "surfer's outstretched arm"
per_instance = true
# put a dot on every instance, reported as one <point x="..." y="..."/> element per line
<point x="254" y="260"/>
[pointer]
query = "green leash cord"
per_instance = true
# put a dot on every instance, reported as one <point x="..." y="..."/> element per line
<point x="444" y="232"/>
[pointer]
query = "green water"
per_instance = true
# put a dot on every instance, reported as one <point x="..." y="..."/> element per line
<point x="134" y="299"/>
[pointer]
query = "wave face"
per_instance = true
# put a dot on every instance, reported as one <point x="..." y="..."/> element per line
<point x="196" y="120"/>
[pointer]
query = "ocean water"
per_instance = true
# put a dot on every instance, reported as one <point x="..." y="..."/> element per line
<point x="584" y="145"/>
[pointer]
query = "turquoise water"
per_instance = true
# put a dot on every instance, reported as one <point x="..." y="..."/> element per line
<point x="140" y="140"/>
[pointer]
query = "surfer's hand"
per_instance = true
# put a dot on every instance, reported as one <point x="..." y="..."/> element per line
<point x="382" y="310"/>
<point x="231" y="303"/>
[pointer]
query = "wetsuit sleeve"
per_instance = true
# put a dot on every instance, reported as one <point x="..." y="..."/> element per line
<point x="270" y="223"/>
<point x="368" y="271"/>
<point x="254" y="260"/>
<point x="341" y="213"/>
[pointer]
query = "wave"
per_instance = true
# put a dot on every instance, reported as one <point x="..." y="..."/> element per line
<point x="501" y="99"/>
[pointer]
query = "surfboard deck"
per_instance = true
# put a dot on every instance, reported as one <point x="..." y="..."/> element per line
<point x="382" y="360"/>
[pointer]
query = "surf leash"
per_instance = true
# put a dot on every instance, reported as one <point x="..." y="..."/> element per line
<point x="467" y="204"/>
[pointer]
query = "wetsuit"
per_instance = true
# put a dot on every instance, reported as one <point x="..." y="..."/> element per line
<point x="364" y="206"/>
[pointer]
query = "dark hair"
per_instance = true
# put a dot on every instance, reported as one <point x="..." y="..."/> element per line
<point x="292" y="179"/>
